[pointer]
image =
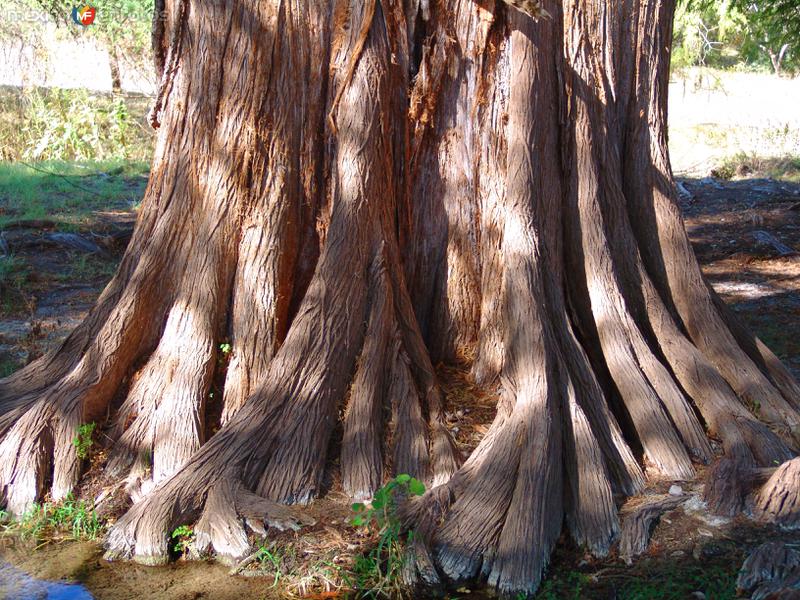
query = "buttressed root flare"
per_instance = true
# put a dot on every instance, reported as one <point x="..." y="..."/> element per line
<point x="490" y="188"/>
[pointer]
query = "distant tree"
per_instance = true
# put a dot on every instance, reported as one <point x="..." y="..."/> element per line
<point x="752" y="30"/>
<point x="774" y="26"/>
<point x="124" y="29"/>
<point x="712" y="33"/>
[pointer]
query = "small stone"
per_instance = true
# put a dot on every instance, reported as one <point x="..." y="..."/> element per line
<point x="678" y="554"/>
<point x="676" y="490"/>
<point x="698" y="596"/>
<point x="705" y="533"/>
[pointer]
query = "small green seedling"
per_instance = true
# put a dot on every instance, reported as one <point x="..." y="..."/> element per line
<point x="378" y="574"/>
<point x="270" y="560"/>
<point x="184" y="538"/>
<point x="83" y="440"/>
<point x="383" y="507"/>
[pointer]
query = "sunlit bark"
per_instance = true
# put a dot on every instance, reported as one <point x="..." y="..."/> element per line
<point x="487" y="188"/>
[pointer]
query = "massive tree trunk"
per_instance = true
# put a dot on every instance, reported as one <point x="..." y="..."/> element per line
<point x="344" y="190"/>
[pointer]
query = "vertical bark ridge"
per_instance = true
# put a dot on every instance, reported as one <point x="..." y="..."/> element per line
<point x="170" y="396"/>
<point x="410" y="451"/>
<point x="491" y="189"/>
<point x="443" y="258"/>
<point x="618" y="335"/>
<point x="270" y="247"/>
<point x="656" y="405"/>
<point x="516" y="473"/>
<point x="653" y="207"/>
<point x="712" y="396"/>
<point x="591" y="511"/>
<point x="276" y="444"/>
<point x="623" y="469"/>
<point x="362" y="452"/>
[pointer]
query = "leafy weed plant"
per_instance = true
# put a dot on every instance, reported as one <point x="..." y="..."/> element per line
<point x="183" y="537"/>
<point x="83" y="441"/>
<point x="378" y="573"/>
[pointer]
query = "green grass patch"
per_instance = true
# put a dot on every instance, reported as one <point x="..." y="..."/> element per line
<point x="13" y="271"/>
<point x="68" y="192"/>
<point x="660" y="580"/>
<point x="70" y="520"/>
<point x="564" y="586"/>
<point x="73" y="124"/>
<point x="88" y="267"/>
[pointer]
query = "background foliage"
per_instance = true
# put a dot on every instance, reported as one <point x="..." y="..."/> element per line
<point x="741" y="34"/>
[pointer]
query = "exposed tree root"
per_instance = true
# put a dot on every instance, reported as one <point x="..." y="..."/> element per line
<point x="729" y="484"/>
<point x="226" y="511"/>
<point x="778" y="501"/>
<point x="527" y="205"/>
<point x="638" y="525"/>
<point x="771" y="572"/>
<point x="39" y="425"/>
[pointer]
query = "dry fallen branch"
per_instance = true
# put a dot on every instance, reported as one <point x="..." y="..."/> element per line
<point x="766" y="238"/>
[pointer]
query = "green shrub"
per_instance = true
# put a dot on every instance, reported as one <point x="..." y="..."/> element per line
<point x="184" y="538"/>
<point x="377" y="574"/>
<point x="73" y="124"/>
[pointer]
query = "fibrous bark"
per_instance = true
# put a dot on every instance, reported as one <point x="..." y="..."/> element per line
<point x="638" y="525"/>
<point x="771" y="572"/>
<point x="345" y="190"/>
<point x="778" y="500"/>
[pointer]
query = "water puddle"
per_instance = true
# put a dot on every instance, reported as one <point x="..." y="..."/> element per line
<point x="17" y="585"/>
